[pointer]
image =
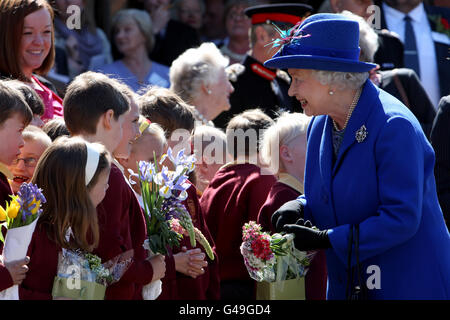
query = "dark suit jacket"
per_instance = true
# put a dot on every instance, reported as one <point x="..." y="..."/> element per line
<point x="440" y="140"/>
<point x="442" y="50"/>
<point x="419" y="102"/>
<point x="178" y="37"/>
<point x="389" y="54"/>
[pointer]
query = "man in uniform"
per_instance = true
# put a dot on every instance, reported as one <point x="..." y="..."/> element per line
<point x="256" y="86"/>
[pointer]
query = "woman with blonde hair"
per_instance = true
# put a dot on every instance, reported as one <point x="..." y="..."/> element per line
<point x="134" y="40"/>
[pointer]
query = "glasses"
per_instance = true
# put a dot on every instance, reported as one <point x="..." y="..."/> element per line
<point x="29" y="162"/>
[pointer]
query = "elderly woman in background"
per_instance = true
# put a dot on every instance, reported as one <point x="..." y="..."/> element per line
<point x="369" y="183"/>
<point x="133" y="38"/>
<point x="287" y="160"/>
<point x="28" y="48"/>
<point x="198" y="76"/>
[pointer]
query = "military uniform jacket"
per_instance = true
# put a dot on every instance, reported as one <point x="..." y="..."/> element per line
<point x="382" y="180"/>
<point x="256" y="86"/>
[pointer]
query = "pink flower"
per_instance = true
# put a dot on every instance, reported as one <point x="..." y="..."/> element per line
<point x="175" y="226"/>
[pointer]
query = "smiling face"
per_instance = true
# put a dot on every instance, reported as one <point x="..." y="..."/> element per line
<point x="12" y="140"/>
<point x="23" y="169"/>
<point x="127" y="36"/>
<point x="220" y="93"/>
<point x="36" y="40"/>
<point x="130" y="131"/>
<point x="309" y="91"/>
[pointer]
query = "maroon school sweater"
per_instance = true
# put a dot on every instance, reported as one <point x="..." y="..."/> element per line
<point x="43" y="267"/>
<point x="122" y="227"/>
<point x="233" y="198"/>
<point x="316" y="278"/>
<point x="178" y="286"/>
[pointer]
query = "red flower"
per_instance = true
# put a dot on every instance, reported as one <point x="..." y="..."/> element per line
<point x="261" y="248"/>
<point x="445" y="24"/>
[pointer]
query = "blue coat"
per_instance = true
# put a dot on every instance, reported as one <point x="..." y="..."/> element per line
<point x="386" y="185"/>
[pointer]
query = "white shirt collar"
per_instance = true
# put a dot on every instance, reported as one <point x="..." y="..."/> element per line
<point x="416" y="14"/>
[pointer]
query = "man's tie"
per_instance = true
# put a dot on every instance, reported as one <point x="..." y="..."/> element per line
<point x="411" y="55"/>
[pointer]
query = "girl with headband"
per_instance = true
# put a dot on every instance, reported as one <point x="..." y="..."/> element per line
<point x="73" y="175"/>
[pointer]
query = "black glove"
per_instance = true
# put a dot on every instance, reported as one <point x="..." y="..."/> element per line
<point x="306" y="238"/>
<point x="288" y="213"/>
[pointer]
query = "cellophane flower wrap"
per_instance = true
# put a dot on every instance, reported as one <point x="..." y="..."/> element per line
<point x="272" y="257"/>
<point x="19" y="217"/>
<point x="163" y="192"/>
<point x="82" y="275"/>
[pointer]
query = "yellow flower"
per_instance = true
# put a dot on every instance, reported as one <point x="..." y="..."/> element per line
<point x="36" y="207"/>
<point x="2" y="214"/>
<point x="13" y="209"/>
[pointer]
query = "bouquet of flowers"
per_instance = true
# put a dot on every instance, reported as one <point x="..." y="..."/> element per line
<point x="272" y="258"/>
<point x="163" y="193"/>
<point x="20" y="218"/>
<point x="82" y="276"/>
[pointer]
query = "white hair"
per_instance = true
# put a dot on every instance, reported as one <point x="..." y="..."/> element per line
<point x="286" y="128"/>
<point x="368" y="38"/>
<point x="196" y="67"/>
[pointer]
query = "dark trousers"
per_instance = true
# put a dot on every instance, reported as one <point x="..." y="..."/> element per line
<point x="237" y="290"/>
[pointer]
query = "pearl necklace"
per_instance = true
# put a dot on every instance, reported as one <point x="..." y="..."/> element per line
<point x="350" y="110"/>
<point x="200" y="117"/>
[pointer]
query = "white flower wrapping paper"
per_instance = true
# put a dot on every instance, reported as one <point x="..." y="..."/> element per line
<point x="152" y="290"/>
<point x="16" y="246"/>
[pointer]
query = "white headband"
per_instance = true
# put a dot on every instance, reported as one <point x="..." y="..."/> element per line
<point x="93" y="156"/>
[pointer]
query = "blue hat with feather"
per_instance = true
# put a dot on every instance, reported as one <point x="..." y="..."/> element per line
<point x="322" y="41"/>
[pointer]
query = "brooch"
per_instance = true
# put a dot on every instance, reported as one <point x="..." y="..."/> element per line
<point x="361" y="134"/>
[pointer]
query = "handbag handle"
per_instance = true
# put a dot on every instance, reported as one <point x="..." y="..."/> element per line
<point x="358" y="271"/>
<point x="349" y="265"/>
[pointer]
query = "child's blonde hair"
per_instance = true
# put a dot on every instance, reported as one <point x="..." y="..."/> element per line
<point x="286" y="128"/>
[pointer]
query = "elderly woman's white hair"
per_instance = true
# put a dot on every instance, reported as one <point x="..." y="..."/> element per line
<point x="143" y="21"/>
<point x="286" y="128"/>
<point x="196" y="67"/>
<point x="368" y="42"/>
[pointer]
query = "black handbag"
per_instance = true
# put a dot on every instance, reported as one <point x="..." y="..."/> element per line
<point x="358" y="290"/>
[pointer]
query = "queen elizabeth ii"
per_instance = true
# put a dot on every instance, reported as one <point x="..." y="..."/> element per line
<point x="368" y="173"/>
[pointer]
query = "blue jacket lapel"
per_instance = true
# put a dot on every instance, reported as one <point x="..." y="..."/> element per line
<point x="326" y="154"/>
<point x="357" y="120"/>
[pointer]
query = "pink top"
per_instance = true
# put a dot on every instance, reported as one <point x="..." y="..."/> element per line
<point x="52" y="102"/>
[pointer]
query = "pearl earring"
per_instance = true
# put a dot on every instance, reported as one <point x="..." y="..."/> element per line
<point x="209" y="91"/>
<point x="331" y="92"/>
